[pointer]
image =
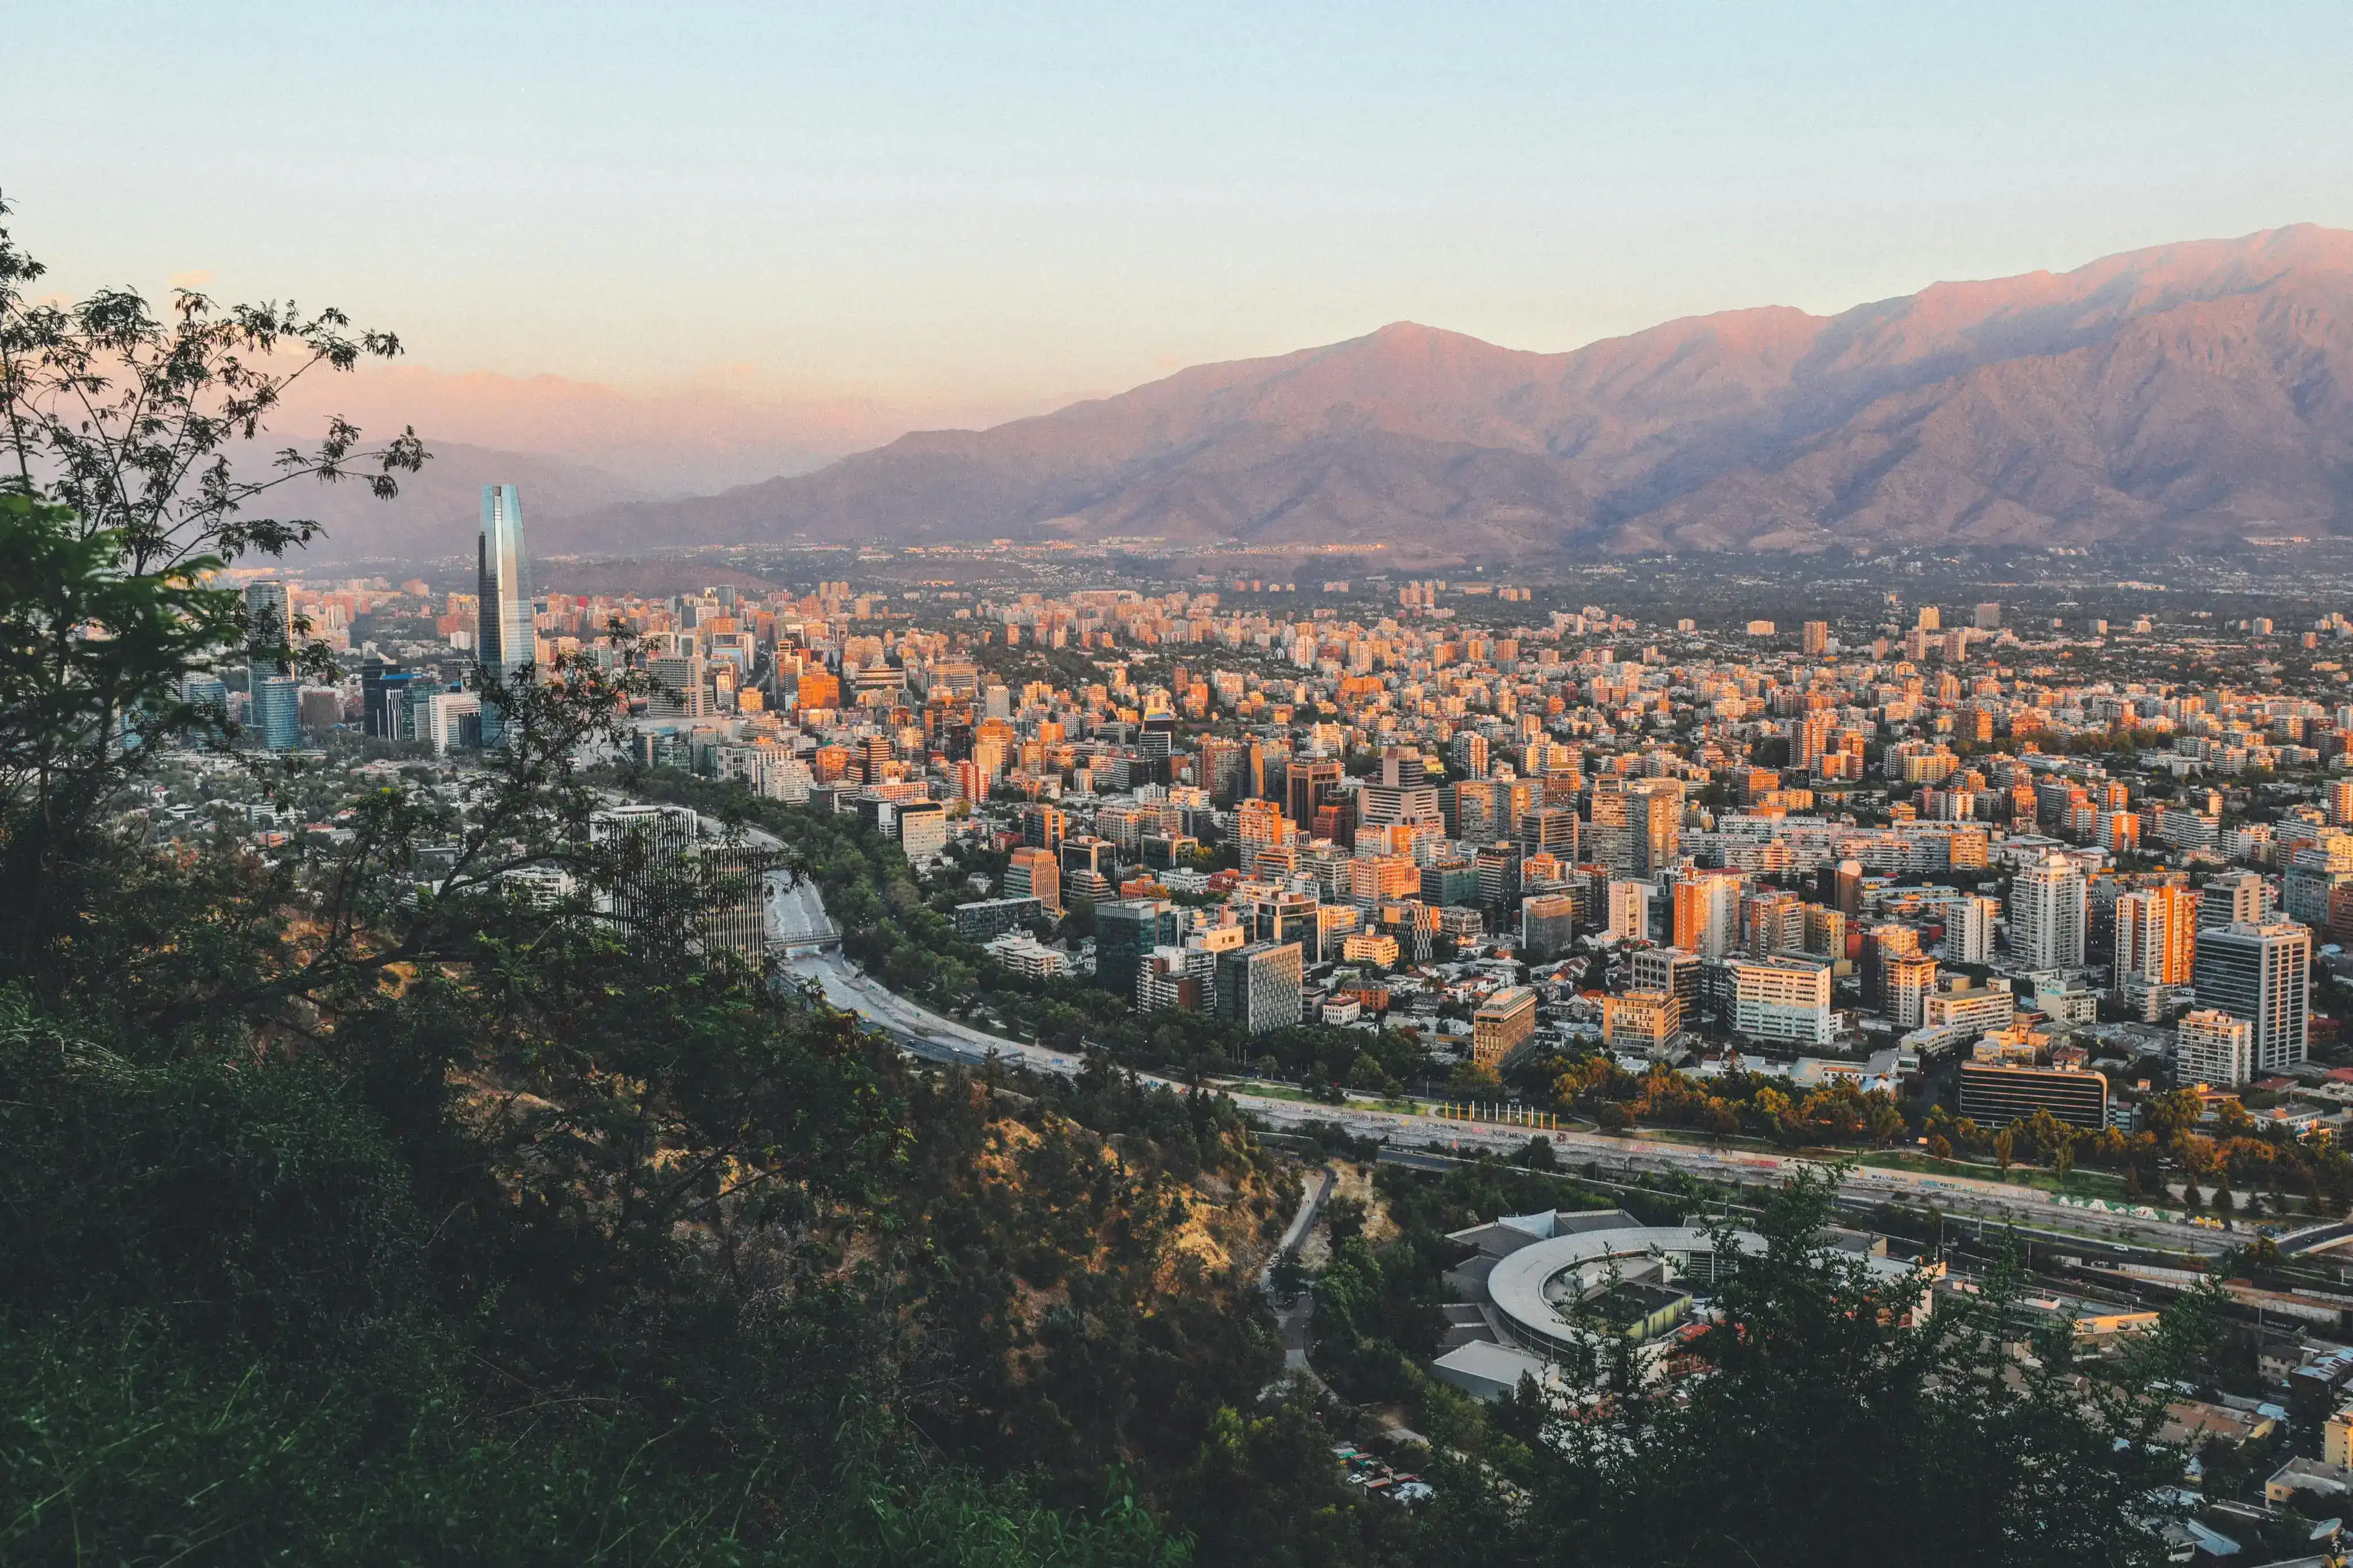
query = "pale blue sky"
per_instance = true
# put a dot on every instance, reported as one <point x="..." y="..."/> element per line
<point x="1022" y="202"/>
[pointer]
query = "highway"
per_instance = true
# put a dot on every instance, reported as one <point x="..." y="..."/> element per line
<point x="806" y="935"/>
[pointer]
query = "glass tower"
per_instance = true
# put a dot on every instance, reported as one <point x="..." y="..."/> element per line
<point x="268" y="679"/>
<point x="504" y="642"/>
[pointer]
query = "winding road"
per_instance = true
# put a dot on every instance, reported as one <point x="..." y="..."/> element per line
<point x="806" y="936"/>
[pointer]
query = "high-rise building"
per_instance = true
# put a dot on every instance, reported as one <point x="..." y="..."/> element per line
<point x="1810" y="737"/>
<point x="268" y="628"/>
<point x="1503" y="1026"/>
<point x="1908" y="982"/>
<point x="2314" y="872"/>
<point x="2213" y="1048"/>
<point x="2156" y="936"/>
<point x="644" y="844"/>
<point x="1659" y="838"/>
<point x="1548" y="926"/>
<point x="1402" y="795"/>
<point x="2047" y="909"/>
<point x="384" y="697"/>
<point x="1499" y="874"/>
<point x="1310" y="783"/>
<point x="2262" y="973"/>
<point x="1705" y="914"/>
<point x="1847" y="889"/>
<point x="1772" y="920"/>
<point x="1969" y="931"/>
<point x="505" y="639"/>
<point x="1629" y="910"/>
<point x="1550" y="830"/>
<point x="1125" y="933"/>
<point x="1989" y="617"/>
<point x="1672" y="970"/>
<point x="2339" y="798"/>
<point x="1259" y="987"/>
<point x="2237" y="898"/>
<point x="277" y="712"/>
<point x="1034" y="873"/>
<point x="1814" y="638"/>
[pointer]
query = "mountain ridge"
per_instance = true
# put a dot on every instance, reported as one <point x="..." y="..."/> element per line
<point x="2176" y="391"/>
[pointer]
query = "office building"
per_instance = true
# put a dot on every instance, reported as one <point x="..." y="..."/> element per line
<point x="1547" y="927"/>
<point x="923" y="829"/>
<point x="2235" y="898"/>
<point x="1994" y="1094"/>
<point x="642" y="848"/>
<point x="1034" y="873"/>
<point x="983" y="918"/>
<point x="446" y="720"/>
<point x="268" y="629"/>
<point x="1125" y="930"/>
<point x="2263" y="974"/>
<point x="1311" y="782"/>
<point x="506" y="638"/>
<point x="1261" y="986"/>
<point x="1670" y="970"/>
<point x="1502" y="1028"/>
<point x="734" y="895"/>
<point x="384" y="697"/>
<point x="1449" y="880"/>
<point x="277" y="712"/>
<point x="2213" y="1048"/>
<point x="1550" y="830"/>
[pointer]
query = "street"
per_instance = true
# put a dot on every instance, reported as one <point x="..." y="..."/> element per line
<point x="800" y="925"/>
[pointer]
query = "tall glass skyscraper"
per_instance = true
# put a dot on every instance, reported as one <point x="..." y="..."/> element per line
<point x="271" y="713"/>
<point x="504" y="642"/>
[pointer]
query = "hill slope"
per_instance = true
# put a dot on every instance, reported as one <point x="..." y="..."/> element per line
<point x="2193" y="388"/>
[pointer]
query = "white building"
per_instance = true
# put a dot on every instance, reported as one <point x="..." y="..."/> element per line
<point x="1629" y="910"/>
<point x="1969" y="931"/>
<point x="2213" y="1048"/>
<point x="1025" y="955"/>
<point x="2047" y="907"/>
<point x="1781" y="999"/>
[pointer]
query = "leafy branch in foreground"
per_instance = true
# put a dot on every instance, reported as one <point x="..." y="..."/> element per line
<point x="129" y="418"/>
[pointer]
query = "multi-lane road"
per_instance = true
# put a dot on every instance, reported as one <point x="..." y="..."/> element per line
<point x="800" y="925"/>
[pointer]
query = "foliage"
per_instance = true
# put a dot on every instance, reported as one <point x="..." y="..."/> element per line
<point x="130" y="419"/>
<point x="1968" y="1438"/>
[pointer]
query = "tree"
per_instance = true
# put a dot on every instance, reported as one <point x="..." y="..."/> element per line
<point x="130" y="420"/>
<point x="1954" y="1445"/>
<point x="91" y="655"/>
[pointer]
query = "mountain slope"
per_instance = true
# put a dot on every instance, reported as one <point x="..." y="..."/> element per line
<point x="2191" y="388"/>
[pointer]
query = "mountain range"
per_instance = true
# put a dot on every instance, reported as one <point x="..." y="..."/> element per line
<point x="2198" y="391"/>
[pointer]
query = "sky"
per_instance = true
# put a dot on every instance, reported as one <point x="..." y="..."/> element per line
<point x="839" y="221"/>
